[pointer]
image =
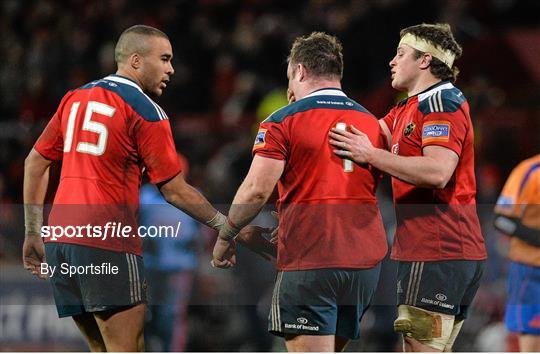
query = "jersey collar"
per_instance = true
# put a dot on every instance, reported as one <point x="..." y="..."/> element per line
<point x="123" y="80"/>
<point x="327" y="91"/>
<point x="441" y="85"/>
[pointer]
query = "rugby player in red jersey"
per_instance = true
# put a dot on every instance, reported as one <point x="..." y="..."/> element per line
<point x="438" y="242"/>
<point x="107" y="133"/>
<point x="331" y="237"/>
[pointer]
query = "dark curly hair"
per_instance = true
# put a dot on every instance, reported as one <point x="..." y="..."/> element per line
<point x="439" y="34"/>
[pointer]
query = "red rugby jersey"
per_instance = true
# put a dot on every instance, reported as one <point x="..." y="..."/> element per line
<point x="106" y="133"/>
<point x="436" y="224"/>
<point x="329" y="218"/>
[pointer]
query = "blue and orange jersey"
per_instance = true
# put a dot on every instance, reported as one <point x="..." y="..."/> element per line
<point x="106" y="133"/>
<point x="520" y="198"/>
<point x="329" y="218"/>
<point x="435" y="224"/>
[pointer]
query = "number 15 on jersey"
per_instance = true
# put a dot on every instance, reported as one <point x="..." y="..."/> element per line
<point x="88" y="125"/>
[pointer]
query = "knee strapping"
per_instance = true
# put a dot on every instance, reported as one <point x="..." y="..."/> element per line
<point x="430" y="328"/>
<point x="455" y="331"/>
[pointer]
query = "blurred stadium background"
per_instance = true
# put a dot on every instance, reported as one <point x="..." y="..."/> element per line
<point x="230" y="73"/>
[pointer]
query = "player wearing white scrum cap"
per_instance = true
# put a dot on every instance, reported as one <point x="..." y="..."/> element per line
<point x="438" y="243"/>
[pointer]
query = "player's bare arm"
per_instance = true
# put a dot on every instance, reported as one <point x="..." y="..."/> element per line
<point x="432" y="170"/>
<point x="36" y="179"/>
<point x="182" y="195"/>
<point x="247" y="203"/>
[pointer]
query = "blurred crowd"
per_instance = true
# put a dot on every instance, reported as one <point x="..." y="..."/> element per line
<point x="230" y="63"/>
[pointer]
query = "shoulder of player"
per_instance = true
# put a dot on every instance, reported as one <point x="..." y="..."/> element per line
<point x="445" y="98"/>
<point x="131" y="95"/>
<point x="530" y="163"/>
<point x="315" y="102"/>
<point x="528" y="169"/>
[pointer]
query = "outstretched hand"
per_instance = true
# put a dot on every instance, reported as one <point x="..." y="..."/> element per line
<point x="224" y="254"/>
<point x="353" y="144"/>
<point x="33" y="255"/>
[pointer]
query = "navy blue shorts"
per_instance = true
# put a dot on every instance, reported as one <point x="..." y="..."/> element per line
<point x="321" y="301"/>
<point x="89" y="279"/>
<point x="523" y="304"/>
<point x="440" y="286"/>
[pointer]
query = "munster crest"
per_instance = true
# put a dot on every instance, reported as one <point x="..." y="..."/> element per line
<point x="409" y="129"/>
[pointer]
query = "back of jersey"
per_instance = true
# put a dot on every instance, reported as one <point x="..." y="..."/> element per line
<point x="106" y="132"/>
<point x="329" y="215"/>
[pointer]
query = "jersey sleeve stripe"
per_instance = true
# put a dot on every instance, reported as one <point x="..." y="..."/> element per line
<point x="160" y="114"/>
<point x="430" y="104"/>
<point x="439" y="98"/>
<point x="159" y="111"/>
<point x="531" y="170"/>
<point x="163" y="112"/>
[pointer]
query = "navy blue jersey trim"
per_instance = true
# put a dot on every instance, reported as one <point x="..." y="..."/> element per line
<point x="440" y="83"/>
<point x="140" y="103"/>
<point x="326" y="88"/>
<point x="125" y="77"/>
<point x="405" y="100"/>
<point x="451" y="99"/>
<point x="315" y="102"/>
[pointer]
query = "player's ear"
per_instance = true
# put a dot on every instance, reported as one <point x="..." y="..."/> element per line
<point x="134" y="61"/>
<point x="301" y="72"/>
<point x="425" y="60"/>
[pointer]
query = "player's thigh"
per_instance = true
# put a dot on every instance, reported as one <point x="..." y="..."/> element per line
<point x="88" y="326"/>
<point x="122" y="328"/>
<point x="119" y="282"/>
<point x="340" y="343"/>
<point x="356" y="289"/>
<point x="529" y="343"/>
<point x="304" y="302"/>
<point x="322" y="301"/>
<point x="472" y="288"/>
<point x="66" y="289"/>
<point x="430" y="296"/>
<point x="116" y="296"/>
<point x="441" y="286"/>
<point x="523" y="299"/>
<point x="309" y="343"/>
